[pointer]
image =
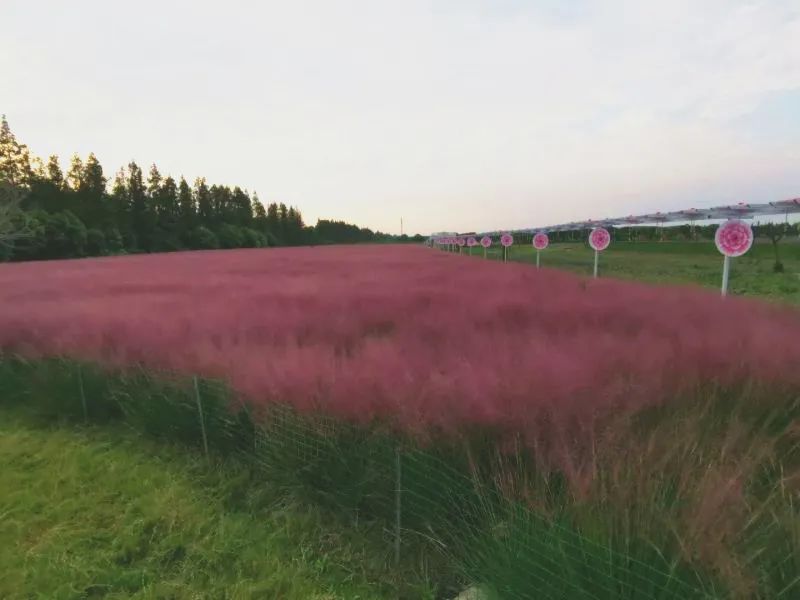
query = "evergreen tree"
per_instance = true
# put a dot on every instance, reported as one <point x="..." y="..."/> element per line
<point x="15" y="158"/>
<point x="273" y="219"/>
<point x="242" y="207"/>
<point x="293" y="227"/>
<point x="283" y="223"/>
<point x="203" y="196"/>
<point x="222" y="205"/>
<point x="137" y="207"/>
<point x="259" y="212"/>
<point x="54" y="173"/>
<point x="186" y="207"/>
<point x="167" y="213"/>
<point x="168" y="208"/>
<point x="119" y="198"/>
<point x="93" y="180"/>
<point x="75" y="173"/>
<point x="154" y="180"/>
<point x="90" y="203"/>
<point x="38" y="170"/>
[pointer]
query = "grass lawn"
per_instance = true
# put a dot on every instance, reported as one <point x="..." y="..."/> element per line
<point x="697" y="263"/>
<point x="105" y="513"/>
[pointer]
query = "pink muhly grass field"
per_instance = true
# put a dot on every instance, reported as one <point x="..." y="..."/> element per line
<point x="407" y="333"/>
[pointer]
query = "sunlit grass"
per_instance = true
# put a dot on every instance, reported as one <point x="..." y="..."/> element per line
<point x="105" y="513"/>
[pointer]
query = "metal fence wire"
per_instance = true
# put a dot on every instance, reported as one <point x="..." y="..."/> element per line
<point x="439" y="502"/>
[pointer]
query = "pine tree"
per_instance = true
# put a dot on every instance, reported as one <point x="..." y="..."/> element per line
<point x="92" y="179"/>
<point x="293" y="226"/>
<point x="259" y="212"/>
<point x="273" y="219"/>
<point x="54" y="173"/>
<point x="15" y="158"/>
<point x="283" y="223"/>
<point x="137" y="207"/>
<point x="203" y="196"/>
<point x="89" y="204"/>
<point x="222" y="205"/>
<point x="120" y="203"/>
<point x="169" y="199"/>
<point x="38" y="169"/>
<point x="242" y="208"/>
<point x="186" y="207"/>
<point x="154" y="187"/>
<point x="75" y="173"/>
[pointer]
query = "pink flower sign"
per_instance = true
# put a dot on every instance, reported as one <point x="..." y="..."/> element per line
<point x="506" y="239"/>
<point x="540" y="241"/>
<point x="461" y="241"/>
<point x="734" y="238"/>
<point x="486" y="241"/>
<point x="471" y="241"/>
<point x="599" y="239"/>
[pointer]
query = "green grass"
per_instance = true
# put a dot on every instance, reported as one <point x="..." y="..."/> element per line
<point x="105" y="513"/>
<point x="693" y="499"/>
<point x="693" y="263"/>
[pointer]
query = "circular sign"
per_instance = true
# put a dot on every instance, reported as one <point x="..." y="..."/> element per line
<point x="540" y="241"/>
<point x="599" y="239"/>
<point x="506" y="239"/>
<point x="471" y="241"/>
<point x="734" y="238"/>
<point x="461" y="241"/>
<point x="486" y="241"/>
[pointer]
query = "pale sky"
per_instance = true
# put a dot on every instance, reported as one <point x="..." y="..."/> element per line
<point x="453" y="114"/>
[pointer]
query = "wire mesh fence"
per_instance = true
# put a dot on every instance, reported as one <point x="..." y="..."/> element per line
<point x="445" y="502"/>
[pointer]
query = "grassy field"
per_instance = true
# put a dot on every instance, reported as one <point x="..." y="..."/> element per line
<point x="696" y="499"/>
<point x="106" y="513"/>
<point x="693" y="263"/>
<point x="105" y="493"/>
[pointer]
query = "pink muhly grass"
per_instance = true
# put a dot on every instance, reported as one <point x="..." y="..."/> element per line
<point x="427" y="339"/>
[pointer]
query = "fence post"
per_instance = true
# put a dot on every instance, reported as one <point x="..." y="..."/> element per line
<point x="83" y="394"/>
<point x="200" y="412"/>
<point x="397" y="505"/>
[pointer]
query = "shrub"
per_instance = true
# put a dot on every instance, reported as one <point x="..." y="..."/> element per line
<point x="202" y="238"/>
<point x="95" y="242"/>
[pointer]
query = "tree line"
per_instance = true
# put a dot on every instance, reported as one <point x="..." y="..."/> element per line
<point x="46" y="213"/>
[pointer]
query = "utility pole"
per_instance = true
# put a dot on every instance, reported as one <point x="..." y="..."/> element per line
<point x="401" y="225"/>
